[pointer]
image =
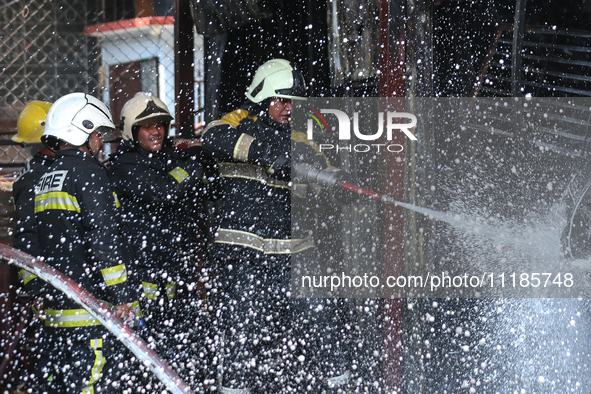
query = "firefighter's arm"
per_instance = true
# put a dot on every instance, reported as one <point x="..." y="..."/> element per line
<point x="275" y="159"/>
<point x="98" y="212"/>
<point x="225" y="141"/>
<point x="33" y="285"/>
<point x="229" y="139"/>
<point x="25" y="236"/>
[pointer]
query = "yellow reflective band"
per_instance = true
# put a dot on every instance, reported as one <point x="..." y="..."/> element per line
<point x="171" y="290"/>
<point x="96" y="343"/>
<point x="135" y="307"/>
<point x="252" y="172"/>
<point x="117" y="202"/>
<point x="150" y="290"/>
<point x="56" y="200"/>
<point x="265" y="245"/>
<point x="26" y="276"/>
<point x="97" y="368"/>
<point x="88" y="390"/>
<point x="179" y="174"/>
<point x="242" y="147"/>
<point x="115" y="275"/>
<point x="234" y="118"/>
<point x="69" y="318"/>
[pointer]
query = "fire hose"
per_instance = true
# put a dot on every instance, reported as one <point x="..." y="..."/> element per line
<point x="311" y="174"/>
<point x="97" y="309"/>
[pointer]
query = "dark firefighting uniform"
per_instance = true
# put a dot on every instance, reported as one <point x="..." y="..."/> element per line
<point x="75" y="209"/>
<point x="269" y="339"/>
<point x="25" y="236"/>
<point x="156" y="194"/>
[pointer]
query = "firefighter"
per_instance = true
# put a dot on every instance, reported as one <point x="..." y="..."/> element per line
<point x="270" y="343"/>
<point x="75" y="210"/>
<point x="158" y="189"/>
<point x="30" y="125"/>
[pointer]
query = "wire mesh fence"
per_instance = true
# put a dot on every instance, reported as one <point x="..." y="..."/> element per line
<point x="110" y="49"/>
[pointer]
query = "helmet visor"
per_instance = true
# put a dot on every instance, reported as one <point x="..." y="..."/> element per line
<point x="106" y="134"/>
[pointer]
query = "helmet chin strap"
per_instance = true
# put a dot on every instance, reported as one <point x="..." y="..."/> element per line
<point x="87" y="144"/>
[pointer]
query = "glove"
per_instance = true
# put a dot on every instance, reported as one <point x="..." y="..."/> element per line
<point x="277" y="165"/>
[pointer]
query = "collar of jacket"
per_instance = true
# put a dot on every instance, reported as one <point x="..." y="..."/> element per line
<point x="165" y="156"/>
<point x="43" y="158"/>
<point x="283" y="128"/>
<point x="73" y="152"/>
<point x="77" y="153"/>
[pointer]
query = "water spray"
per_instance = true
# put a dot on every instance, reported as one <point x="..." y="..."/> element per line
<point x="331" y="178"/>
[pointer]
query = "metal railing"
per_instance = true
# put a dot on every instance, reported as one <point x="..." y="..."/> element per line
<point x="554" y="63"/>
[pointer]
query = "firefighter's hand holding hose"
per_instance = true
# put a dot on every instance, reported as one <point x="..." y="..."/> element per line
<point x="125" y="312"/>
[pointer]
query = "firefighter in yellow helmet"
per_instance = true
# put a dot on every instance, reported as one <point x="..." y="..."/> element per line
<point x="30" y="126"/>
<point x="31" y="122"/>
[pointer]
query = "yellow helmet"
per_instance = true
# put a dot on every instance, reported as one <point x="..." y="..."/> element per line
<point x="31" y="122"/>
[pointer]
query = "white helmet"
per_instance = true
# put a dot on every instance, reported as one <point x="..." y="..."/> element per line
<point x="276" y="78"/>
<point x="72" y="119"/>
<point x="143" y="108"/>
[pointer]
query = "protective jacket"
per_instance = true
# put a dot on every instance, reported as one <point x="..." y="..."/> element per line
<point x="23" y="196"/>
<point x="156" y="193"/>
<point x="75" y="209"/>
<point x="254" y="156"/>
<point x="26" y="237"/>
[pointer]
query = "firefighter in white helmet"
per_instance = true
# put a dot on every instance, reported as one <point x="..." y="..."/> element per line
<point x="75" y="210"/>
<point x="271" y="343"/>
<point x="159" y="188"/>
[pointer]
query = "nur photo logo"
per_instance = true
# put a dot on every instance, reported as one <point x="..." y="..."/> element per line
<point x="388" y="123"/>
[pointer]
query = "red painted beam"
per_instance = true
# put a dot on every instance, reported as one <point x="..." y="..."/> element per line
<point x="391" y="84"/>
